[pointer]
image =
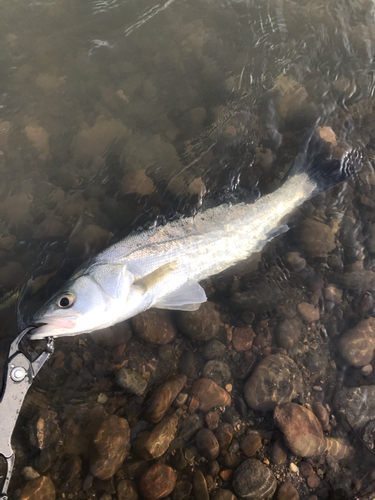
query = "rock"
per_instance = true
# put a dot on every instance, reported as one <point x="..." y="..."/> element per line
<point x="279" y="452"/>
<point x="218" y="371"/>
<point x="157" y="482"/>
<point x="287" y="492"/>
<point x="136" y="181"/>
<point x="367" y="370"/>
<point x="164" y="396"/>
<point x="316" y="238"/>
<point x="341" y="449"/>
<point x="356" y="405"/>
<point x="254" y="481"/>
<point x="260" y="298"/>
<point x="242" y="339"/>
<point x="275" y="380"/>
<point x="209" y="394"/>
<point x="308" y="312"/>
<point x="358" y="281"/>
<point x="213" y="349"/>
<point x="290" y="96"/>
<point x="313" y="481"/>
<point x="288" y="333"/>
<point x="207" y="444"/>
<point x="112" y="443"/>
<point x="71" y="469"/>
<point x="301" y="429"/>
<point x="322" y="415"/>
<point x="190" y="426"/>
<point x="131" y="381"/>
<point x="294" y="261"/>
<point x="126" y="490"/>
<point x="223" y="495"/>
<point x="224" y="435"/>
<point x="29" y="473"/>
<point x="41" y="488"/>
<point x="357" y="345"/>
<point x="4" y="132"/>
<point x="154" y="444"/>
<point x="39" y="138"/>
<point x="203" y="324"/>
<point x="251" y="443"/>
<point x="200" y="486"/>
<point x="155" y="326"/>
<point x="333" y="294"/>
<point x="182" y="490"/>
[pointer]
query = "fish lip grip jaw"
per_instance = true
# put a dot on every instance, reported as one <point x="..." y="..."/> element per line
<point x="19" y="373"/>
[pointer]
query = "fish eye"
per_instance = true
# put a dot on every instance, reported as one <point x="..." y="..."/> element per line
<point x="66" y="300"/>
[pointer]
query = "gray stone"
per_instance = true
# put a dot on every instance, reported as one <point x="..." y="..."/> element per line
<point x="254" y="481"/>
<point x="260" y="298"/>
<point x="203" y="324"/>
<point x="356" y="405"/>
<point x="218" y="371"/>
<point x="131" y="381"/>
<point x="213" y="349"/>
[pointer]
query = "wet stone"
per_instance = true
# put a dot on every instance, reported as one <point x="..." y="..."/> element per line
<point x="212" y="420"/>
<point x="317" y="239"/>
<point x="287" y="492"/>
<point x="294" y="261"/>
<point x="155" y="326"/>
<point x="356" y="405"/>
<point x="224" y="495"/>
<point x="275" y="380"/>
<point x="308" y="312"/>
<point x="203" y="324"/>
<point x="207" y="444"/>
<point x="213" y="349"/>
<point x="357" y="344"/>
<point x="200" y="486"/>
<point x="279" y="452"/>
<point x="224" y="435"/>
<point x="29" y="473"/>
<point x="217" y="371"/>
<point x="154" y="444"/>
<point x="242" y="339"/>
<point x="182" y="490"/>
<point x="164" y="397"/>
<point x="288" y="333"/>
<point x="254" y="481"/>
<point x="251" y="443"/>
<point x="260" y="298"/>
<point x="131" y="381"/>
<point x="157" y="482"/>
<point x="126" y="490"/>
<point x="72" y="468"/>
<point x="209" y="394"/>
<point x="41" y="488"/>
<point x="301" y="429"/>
<point x="190" y="426"/>
<point x="111" y="443"/>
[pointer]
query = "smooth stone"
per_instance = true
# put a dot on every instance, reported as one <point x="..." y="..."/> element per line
<point x="279" y="452"/>
<point x="333" y="294"/>
<point x="356" y="405"/>
<point x="207" y="444"/>
<point x="252" y="480"/>
<point x="203" y="324"/>
<point x="155" y="326"/>
<point x="29" y="473"/>
<point x="301" y="429"/>
<point x="322" y="415"/>
<point x="126" y="490"/>
<point x="242" y="339"/>
<point x="209" y="394"/>
<point x="275" y="380"/>
<point x="251" y="443"/>
<point x="164" y="396"/>
<point x="260" y="298"/>
<point x="112" y="443"/>
<point x="367" y="370"/>
<point x="224" y="434"/>
<point x="224" y="495"/>
<point x="294" y="261"/>
<point x="154" y="444"/>
<point x="287" y="492"/>
<point x="308" y="312"/>
<point x="357" y="344"/>
<point x="288" y="333"/>
<point x="317" y="239"/>
<point x="190" y="426"/>
<point x="157" y="482"/>
<point x="182" y="490"/>
<point x="358" y="281"/>
<point x="214" y="349"/>
<point x="41" y="488"/>
<point x="72" y="468"/>
<point x="131" y="381"/>
<point x="218" y="371"/>
<point x="200" y="486"/>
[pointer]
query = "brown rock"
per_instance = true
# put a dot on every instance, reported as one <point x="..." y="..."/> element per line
<point x="306" y="469"/>
<point x="154" y="444"/>
<point x="157" y="482"/>
<point x="316" y="238"/>
<point x="203" y="324"/>
<point x="251" y="443"/>
<point x="164" y="396"/>
<point x="279" y="452"/>
<point x="209" y="394"/>
<point x="243" y="339"/>
<point x="313" y="481"/>
<point x="322" y="414"/>
<point x="224" y="435"/>
<point x="252" y="480"/>
<point x="41" y="488"/>
<point x="112" y="443"/>
<point x="126" y="490"/>
<point x="308" y="312"/>
<point x="155" y="326"/>
<point x="212" y="420"/>
<point x="357" y="345"/>
<point x="200" y="486"/>
<point x="288" y="333"/>
<point x="287" y="492"/>
<point x="301" y="429"/>
<point x="207" y="444"/>
<point x="224" y="495"/>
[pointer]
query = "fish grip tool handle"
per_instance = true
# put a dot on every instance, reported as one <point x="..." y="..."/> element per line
<point x="19" y="374"/>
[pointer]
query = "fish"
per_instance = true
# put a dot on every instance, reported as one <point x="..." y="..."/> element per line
<point x="162" y="267"/>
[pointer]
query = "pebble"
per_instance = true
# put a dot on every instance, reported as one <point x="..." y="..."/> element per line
<point x="203" y="324"/>
<point x="367" y="370"/>
<point x="182" y="490"/>
<point x="301" y="429"/>
<point x="112" y="442"/>
<point x="322" y="414"/>
<point x="155" y="326"/>
<point x="260" y="298"/>
<point x="313" y="481"/>
<point x="154" y="444"/>
<point x="317" y="239"/>
<point x="308" y="312"/>
<point x="333" y="294"/>
<point x="275" y="380"/>
<point x="251" y="443"/>
<point x="242" y="339"/>
<point x="190" y="426"/>
<point x="200" y="486"/>
<point x="279" y="452"/>
<point x="287" y="492"/>
<point x="126" y="490"/>
<point x="252" y="480"/>
<point x="212" y="420"/>
<point x="294" y="261"/>
<point x="40" y="488"/>
<point x="356" y="405"/>
<point x="29" y="473"/>
<point x="207" y="444"/>
<point x="72" y="468"/>
<point x="214" y="349"/>
<point x="157" y="482"/>
<point x="224" y="435"/>
<point x="288" y="333"/>
<point x="131" y="381"/>
<point x="224" y="495"/>
<point x="164" y="396"/>
<point x="209" y="394"/>
<point x="218" y="371"/>
<point x="357" y="344"/>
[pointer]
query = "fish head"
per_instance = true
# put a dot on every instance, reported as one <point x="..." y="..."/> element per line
<point x="92" y="299"/>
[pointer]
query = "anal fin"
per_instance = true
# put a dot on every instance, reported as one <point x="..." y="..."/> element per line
<point x="187" y="298"/>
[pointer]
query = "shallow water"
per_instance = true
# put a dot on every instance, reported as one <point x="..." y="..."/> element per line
<point x="116" y="114"/>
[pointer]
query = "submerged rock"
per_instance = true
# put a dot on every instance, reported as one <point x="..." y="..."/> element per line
<point x="254" y="481"/>
<point x="209" y="394"/>
<point x="288" y="333"/>
<point x="242" y="339"/>
<point x="217" y="370"/>
<point x="316" y="238"/>
<point x="157" y="482"/>
<point x="155" y="326"/>
<point x="164" y="396"/>
<point x="41" y="488"/>
<point x="131" y="381"/>
<point x="207" y="444"/>
<point x="260" y="298"/>
<point x="357" y="345"/>
<point x="287" y="492"/>
<point x="154" y="444"/>
<point x="202" y="324"/>
<point x="275" y="380"/>
<point x="356" y="405"/>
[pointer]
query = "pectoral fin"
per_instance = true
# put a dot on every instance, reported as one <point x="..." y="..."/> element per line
<point x="187" y="298"/>
<point x="146" y="283"/>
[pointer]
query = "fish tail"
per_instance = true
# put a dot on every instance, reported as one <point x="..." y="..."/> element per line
<point x="315" y="160"/>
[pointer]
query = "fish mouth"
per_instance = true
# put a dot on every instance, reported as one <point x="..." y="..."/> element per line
<point x="52" y="327"/>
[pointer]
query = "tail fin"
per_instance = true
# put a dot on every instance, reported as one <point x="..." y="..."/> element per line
<point x="324" y="172"/>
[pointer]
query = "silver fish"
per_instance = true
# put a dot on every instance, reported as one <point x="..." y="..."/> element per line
<point x="162" y="267"/>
